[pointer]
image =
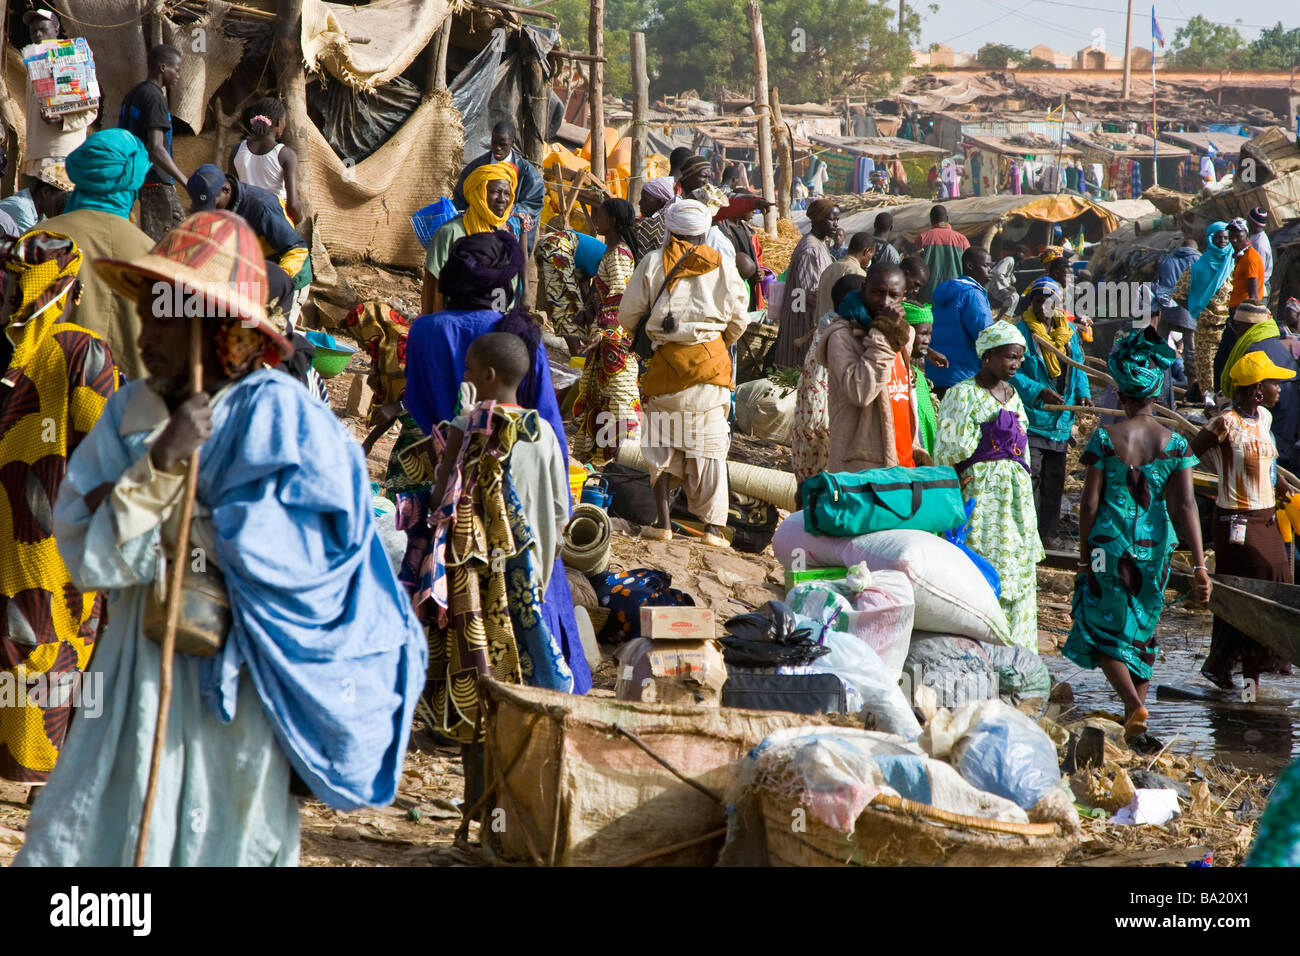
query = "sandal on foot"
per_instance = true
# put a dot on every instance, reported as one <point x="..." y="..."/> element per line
<point x="656" y="534"/>
<point x="715" y="541"/>
<point x="1136" y="725"/>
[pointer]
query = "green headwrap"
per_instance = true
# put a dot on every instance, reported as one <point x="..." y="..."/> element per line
<point x="107" y="171"/>
<point x="917" y="314"/>
<point x="1138" y="363"/>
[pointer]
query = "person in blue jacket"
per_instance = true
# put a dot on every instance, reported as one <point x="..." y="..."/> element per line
<point x="961" y="313"/>
<point x="530" y="193"/>
<point x="1044" y="379"/>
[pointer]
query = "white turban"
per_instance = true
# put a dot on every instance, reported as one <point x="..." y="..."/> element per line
<point x="688" y="217"/>
<point x="661" y="188"/>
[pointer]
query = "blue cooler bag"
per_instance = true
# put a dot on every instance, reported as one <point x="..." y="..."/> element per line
<point x="845" y="504"/>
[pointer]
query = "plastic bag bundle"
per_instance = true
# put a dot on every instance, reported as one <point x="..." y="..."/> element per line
<point x="956" y="669"/>
<point x="998" y="749"/>
<point x="876" y="608"/>
<point x="1021" y="673"/>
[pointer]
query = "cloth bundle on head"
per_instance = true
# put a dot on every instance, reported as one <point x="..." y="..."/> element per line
<point x="1051" y="254"/>
<point x="1138" y="364"/>
<point x="1059" y="332"/>
<point x="688" y="217"/>
<point x="820" y="209"/>
<point x="662" y="188"/>
<point x="45" y="265"/>
<point x="481" y="265"/>
<point x="478" y="217"/>
<point x="107" y="171"/>
<point x="917" y="314"/>
<point x="1239" y="224"/>
<point x="998" y="334"/>
<point x="1209" y="272"/>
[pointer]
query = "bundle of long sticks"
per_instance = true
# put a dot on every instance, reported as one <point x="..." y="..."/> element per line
<point x="174" y="582"/>
<point x="1167" y="416"/>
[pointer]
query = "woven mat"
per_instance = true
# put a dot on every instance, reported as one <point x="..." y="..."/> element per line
<point x="397" y="32"/>
<point x="210" y="59"/>
<point x="364" y="212"/>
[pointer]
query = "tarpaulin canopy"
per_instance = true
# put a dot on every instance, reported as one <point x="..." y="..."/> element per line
<point x="365" y="46"/>
<point x="973" y="217"/>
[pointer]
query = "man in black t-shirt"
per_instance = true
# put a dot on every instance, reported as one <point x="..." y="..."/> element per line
<point x="145" y="113"/>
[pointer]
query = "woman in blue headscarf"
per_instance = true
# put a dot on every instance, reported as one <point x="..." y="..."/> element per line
<point x="1204" y="289"/>
<point x="1139" y="476"/>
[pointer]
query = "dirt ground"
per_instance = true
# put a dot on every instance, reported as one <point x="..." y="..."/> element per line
<point x="419" y="828"/>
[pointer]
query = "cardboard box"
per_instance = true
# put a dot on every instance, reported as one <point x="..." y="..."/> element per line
<point x="678" y="623"/>
<point x="670" y="672"/>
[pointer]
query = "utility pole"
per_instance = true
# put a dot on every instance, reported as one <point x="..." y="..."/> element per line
<point x="764" y="114"/>
<point x="1128" y="50"/>
<point x="596" y="89"/>
<point x="640" y="107"/>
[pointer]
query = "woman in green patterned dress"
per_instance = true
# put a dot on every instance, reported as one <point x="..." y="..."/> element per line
<point x="1126" y="534"/>
<point x="983" y="434"/>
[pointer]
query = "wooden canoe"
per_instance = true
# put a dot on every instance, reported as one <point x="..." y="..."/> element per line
<point x="1268" y="611"/>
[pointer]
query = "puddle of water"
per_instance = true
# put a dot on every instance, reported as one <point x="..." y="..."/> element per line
<point x="1262" y="737"/>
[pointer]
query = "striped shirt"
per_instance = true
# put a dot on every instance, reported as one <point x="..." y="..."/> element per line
<point x="1248" y="461"/>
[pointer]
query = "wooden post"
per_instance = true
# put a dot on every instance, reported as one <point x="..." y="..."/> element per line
<point x="437" y="76"/>
<point x="596" y="88"/>
<point x="640" y="107"/>
<point x="785" y="150"/>
<point x="291" y="78"/>
<point x="763" y="113"/>
<point x="1128" y="52"/>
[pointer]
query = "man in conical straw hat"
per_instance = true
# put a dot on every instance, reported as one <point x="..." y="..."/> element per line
<point x="323" y="660"/>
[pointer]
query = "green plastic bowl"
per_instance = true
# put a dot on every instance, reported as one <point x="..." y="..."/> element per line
<point x="331" y="357"/>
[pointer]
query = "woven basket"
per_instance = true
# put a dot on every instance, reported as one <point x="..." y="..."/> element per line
<point x="897" y="832"/>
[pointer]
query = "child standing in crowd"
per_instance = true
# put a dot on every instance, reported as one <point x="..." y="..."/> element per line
<point x="262" y="160"/>
<point x="983" y="433"/>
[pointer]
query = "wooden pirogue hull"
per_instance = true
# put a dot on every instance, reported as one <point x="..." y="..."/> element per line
<point x="1265" y="610"/>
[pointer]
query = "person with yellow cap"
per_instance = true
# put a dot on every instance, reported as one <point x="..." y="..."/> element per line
<point x="1246" y="537"/>
<point x="489" y="196"/>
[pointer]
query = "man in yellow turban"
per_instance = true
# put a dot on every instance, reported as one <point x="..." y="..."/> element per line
<point x="489" y="194"/>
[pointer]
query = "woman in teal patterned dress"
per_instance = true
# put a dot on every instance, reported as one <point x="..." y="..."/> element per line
<point x="1126" y="536"/>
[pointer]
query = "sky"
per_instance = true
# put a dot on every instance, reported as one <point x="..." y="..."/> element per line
<point x="1070" y="25"/>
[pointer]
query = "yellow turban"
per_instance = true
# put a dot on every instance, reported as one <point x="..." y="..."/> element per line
<point x="478" y="217"/>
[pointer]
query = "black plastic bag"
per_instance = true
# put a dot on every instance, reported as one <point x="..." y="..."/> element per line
<point x="740" y="652"/>
<point x="774" y="623"/>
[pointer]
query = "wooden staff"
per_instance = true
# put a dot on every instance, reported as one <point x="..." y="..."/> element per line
<point x="174" y="583"/>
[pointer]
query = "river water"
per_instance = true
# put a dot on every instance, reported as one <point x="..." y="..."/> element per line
<point x="1261" y="737"/>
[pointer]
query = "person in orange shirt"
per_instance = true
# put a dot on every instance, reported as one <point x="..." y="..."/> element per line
<point x="1248" y="274"/>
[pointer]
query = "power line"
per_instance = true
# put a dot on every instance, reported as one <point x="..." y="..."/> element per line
<point x="989" y="24"/>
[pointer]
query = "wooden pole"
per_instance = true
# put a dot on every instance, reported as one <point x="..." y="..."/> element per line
<point x="763" y="113"/>
<point x="174" y="582"/>
<point x="640" y="107"/>
<point x="437" y="76"/>
<point x="291" y="78"/>
<point x="785" y="150"/>
<point x="1128" y="52"/>
<point x="596" y="88"/>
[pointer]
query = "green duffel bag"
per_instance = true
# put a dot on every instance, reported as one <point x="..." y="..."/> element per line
<point x="845" y="504"/>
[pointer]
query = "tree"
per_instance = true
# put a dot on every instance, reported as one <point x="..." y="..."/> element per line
<point x="999" y="56"/>
<point x="1203" y="45"/>
<point x="815" y="48"/>
<point x="1275" y="49"/>
<point x="622" y="17"/>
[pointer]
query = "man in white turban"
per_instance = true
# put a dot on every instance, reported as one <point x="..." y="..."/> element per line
<point x="693" y="304"/>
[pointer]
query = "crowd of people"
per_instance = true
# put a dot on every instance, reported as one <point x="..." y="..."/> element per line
<point x="136" y="354"/>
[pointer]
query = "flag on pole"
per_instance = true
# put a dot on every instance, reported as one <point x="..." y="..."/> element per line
<point x="1157" y="35"/>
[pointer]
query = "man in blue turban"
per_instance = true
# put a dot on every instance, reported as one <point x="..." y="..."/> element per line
<point x="107" y="171"/>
